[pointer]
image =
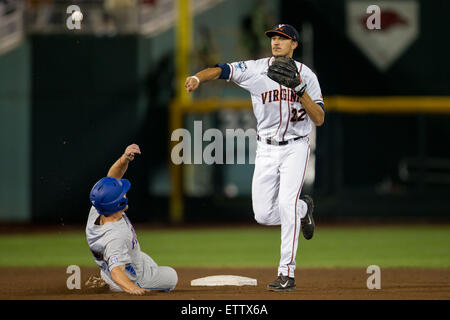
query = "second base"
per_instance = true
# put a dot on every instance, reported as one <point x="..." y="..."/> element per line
<point x="224" y="280"/>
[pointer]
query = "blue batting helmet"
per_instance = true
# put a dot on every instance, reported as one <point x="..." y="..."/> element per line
<point x="107" y="195"/>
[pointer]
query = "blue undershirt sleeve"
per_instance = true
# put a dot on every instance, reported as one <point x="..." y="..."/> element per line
<point x="226" y="70"/>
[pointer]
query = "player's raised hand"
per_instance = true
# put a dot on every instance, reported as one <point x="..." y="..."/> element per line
<point x="130" y="151"/>
<point x="191" y="83"/>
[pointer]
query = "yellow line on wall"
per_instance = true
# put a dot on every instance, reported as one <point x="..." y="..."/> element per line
<point x="345" y="104"/>
<point x="397" y="104"/>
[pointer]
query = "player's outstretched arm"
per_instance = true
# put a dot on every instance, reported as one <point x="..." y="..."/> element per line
<point x="207" y="74"/>
<point x="119" y="168"/>
<point x="121" y="279"/>
<point x="315" y="112"/>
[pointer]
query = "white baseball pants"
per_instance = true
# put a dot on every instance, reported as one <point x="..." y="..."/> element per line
<point x="276" y="187"/>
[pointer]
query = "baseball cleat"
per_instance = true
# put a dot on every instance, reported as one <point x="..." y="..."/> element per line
<point x="283" y="283"/>
<point x="308" y="221"/>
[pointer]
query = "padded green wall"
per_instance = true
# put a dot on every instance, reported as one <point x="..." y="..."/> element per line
<point x="15" y="137"/>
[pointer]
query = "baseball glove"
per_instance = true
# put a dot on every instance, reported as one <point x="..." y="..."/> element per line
<point x="284" y="71"/>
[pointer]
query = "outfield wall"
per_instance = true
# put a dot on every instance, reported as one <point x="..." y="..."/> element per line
<point x="69" y="104"/>
<point x="15" y="134"/>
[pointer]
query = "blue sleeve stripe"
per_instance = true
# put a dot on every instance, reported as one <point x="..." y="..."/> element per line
<point x="320" y="104"/>
<point x="226" y="70"/>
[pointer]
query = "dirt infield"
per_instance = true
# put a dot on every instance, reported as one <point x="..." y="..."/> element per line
<point x="312" y="284"/>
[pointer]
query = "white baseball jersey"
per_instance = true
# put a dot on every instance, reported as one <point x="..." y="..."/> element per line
<point x="279" y="169"/>
<point x="278" y="111"/>
<point x="115" y="244"/>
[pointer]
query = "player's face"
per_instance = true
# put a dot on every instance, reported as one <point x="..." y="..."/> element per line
<point x="282" y="47"/>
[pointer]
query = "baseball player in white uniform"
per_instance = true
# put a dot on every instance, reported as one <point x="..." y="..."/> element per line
<point x="284" y="119"/>
<point x="112" y="239"/>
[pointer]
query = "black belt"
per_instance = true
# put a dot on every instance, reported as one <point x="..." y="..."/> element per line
<point x="277" y="143"/>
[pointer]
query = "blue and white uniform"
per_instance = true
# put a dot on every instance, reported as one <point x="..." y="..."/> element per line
<point x="115" y="244"/>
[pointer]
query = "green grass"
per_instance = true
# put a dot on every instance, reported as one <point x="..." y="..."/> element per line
<point x="409" y="246"/>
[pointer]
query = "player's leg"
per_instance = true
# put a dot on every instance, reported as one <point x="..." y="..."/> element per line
<point x="292" y="209"/>
<point x="265" y="185"/>
<point x="163" y="278"/>
<point x="156" y="277"/>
